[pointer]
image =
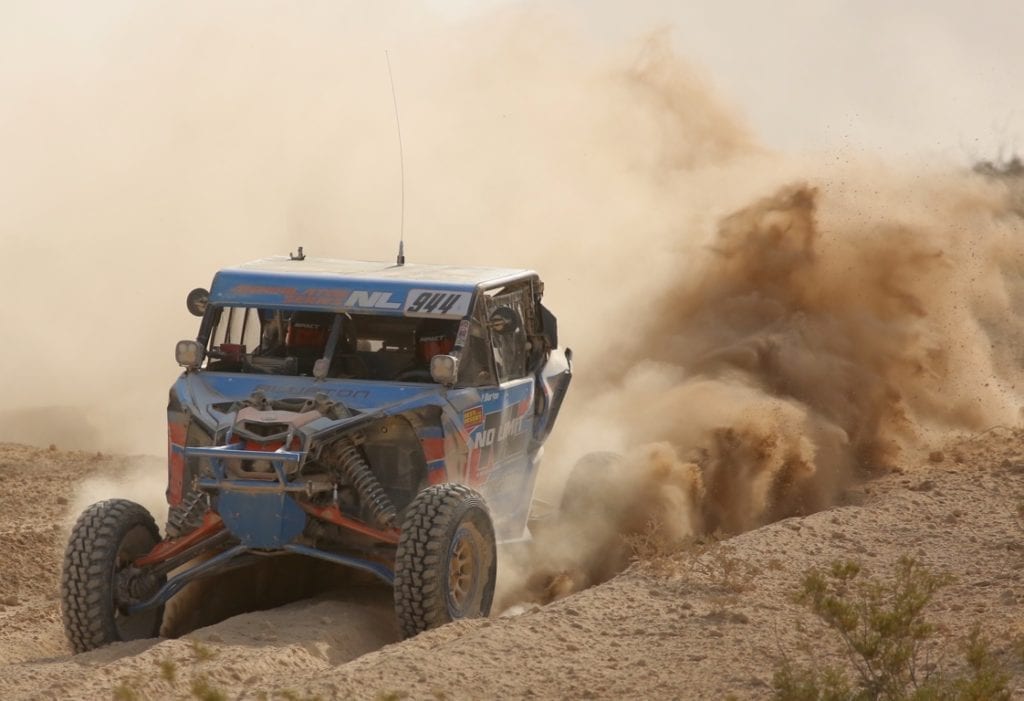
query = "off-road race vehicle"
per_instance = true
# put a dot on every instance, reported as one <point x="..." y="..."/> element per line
<point x="387" y="418"/>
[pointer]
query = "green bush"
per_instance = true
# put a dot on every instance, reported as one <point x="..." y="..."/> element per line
<point x="882" y="627"/>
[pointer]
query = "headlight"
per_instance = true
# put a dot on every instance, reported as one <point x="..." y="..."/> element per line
<point x="444" y="369"/>
<point x="189" y="354"/>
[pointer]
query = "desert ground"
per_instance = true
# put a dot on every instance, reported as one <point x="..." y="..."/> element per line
<point x="786" y="248"/>
<point x="712" y="620"/>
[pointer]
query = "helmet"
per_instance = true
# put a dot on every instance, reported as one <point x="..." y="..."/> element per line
<point x="434" y="338"/>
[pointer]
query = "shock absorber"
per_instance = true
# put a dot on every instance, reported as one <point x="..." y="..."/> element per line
<point x="188" y="515"/>
<point x="346" y="457"/>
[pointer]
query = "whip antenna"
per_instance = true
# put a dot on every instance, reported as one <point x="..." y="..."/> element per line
<point x="401" y="162"/>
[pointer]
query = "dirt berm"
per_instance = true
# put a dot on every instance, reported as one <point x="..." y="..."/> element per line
<point x="705" y="622"/>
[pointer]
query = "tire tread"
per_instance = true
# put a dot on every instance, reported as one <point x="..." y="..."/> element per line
<point x="419" y="603"/>
<point x="86" y="587"/>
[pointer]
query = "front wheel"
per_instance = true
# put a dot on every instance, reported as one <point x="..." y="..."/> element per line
<point x="105" y="540"/>
<point x="446" y="564"/>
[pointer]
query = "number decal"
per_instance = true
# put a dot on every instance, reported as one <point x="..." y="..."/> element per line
<point x="437" y="303"/>
<point x="417" y="304"/>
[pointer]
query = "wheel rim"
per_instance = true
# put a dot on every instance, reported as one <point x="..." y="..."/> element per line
<point x="464" y="557"/>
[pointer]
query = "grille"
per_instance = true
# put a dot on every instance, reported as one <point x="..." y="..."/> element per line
<point x="263" y="430"/>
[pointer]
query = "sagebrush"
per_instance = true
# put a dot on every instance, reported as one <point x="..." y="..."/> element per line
<point x="883" y="628"/>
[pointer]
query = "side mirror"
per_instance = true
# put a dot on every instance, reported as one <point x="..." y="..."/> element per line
<point x="197" y="300"/>
<point x="504" y="320"/>
<point x="444" y="369"/>
<point x="189" y="354"/>
<point x="320" y="368"/>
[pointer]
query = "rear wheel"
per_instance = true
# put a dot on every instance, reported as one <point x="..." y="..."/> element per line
<point x="446" y="564"/>
<point x="595" y="508"/>
<point x="107" y="537"/>
<point x="591" y="483"/>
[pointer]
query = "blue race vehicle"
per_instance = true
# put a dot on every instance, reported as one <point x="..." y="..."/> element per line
<point x="388" y="418"/>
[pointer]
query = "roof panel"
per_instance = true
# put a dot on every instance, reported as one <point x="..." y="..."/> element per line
<point x="370" y="270"/>
<point x="325" y="284"/>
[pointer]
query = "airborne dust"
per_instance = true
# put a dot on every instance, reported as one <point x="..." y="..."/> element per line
<point x="822" y="333"/>
<point x="751" y="331"/>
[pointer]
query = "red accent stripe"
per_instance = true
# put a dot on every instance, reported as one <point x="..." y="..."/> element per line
<point x="333" y="514"/>
<point x="474" y="467"/>
<point x="175" y="463"/>
<point x="433" y="448"/>
<point x="169" y="548"/>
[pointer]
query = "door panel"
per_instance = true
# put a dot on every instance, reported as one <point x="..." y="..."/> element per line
<point x="499" y="465"/>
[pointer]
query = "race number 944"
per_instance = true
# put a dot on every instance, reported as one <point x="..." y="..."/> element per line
<point x="432" y="302"/>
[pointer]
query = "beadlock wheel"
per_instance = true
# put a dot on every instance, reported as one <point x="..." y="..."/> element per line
<point x="446" y="564"/>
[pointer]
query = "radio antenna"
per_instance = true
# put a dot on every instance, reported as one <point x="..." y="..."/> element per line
<point x="401" y="162"/>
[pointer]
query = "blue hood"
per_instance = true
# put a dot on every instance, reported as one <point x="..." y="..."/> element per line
<point x="202" y="390"/>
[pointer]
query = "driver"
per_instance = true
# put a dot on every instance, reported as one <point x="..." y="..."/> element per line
<point x="272" y="334"/>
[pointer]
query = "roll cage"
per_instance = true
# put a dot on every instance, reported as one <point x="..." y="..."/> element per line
<point x="505" y="335"/>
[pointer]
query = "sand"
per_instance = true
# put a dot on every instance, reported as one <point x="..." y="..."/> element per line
<point x="705" y="622"/>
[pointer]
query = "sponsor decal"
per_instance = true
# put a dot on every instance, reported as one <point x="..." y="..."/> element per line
<point x="300" y="391"/>
<point x="503" y="431"/>
<point x="437" y="303"/>
<point x="471" y="418"/>
<point x="372" y="300"/>
<point x="417" y="302"/>
<point x="463" y="335"/>
<point x="483" y="439"/>
<point x="315" y="297"/>
<point x="512" y="427"/>
<point x="424" y="303"/>
<point x="242" y="290"/>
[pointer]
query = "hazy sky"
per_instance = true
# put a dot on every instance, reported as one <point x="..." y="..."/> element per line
<point x="904" y="77"/>
<point x="147" y="143"/>
<point x="931" y="77"/>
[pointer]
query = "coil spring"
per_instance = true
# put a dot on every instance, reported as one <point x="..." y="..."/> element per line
<point x="346" y="456"/>
<point x="188" y="515"/>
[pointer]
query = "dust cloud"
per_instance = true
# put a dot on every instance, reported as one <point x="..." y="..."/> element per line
<point x="750" y="330"/>
<point x="144" y="150"/>
<point x="824" y="333"/>
<point x="133" y="480"/>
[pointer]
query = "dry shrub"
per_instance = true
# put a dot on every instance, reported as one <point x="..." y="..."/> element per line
<point x="882" y="626"/>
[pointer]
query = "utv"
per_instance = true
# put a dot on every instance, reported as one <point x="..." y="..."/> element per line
<point x="387" y="418"/>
